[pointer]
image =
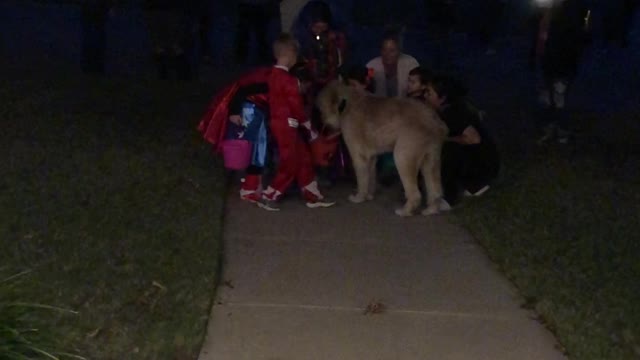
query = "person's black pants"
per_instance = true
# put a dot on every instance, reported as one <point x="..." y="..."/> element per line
<point x="255" y="170"/>
<point x="254" y="19"/>
<point x="554" y="98"/>
<point x="534" y="27"/>
<point x="467" y="167"/>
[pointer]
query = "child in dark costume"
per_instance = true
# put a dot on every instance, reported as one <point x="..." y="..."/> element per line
<point x="563" y="34"/>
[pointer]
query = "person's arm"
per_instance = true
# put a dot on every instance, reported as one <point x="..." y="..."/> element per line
<point x="377" y="82"/>
<point x="342" y="47"/>
<point x="297" y="111"/>
<point x="461" y="119"/>
<point x="235" y="106"/>
<point x="470" y="136"/>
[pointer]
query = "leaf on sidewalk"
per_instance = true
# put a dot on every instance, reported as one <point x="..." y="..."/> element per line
<point x="374" y="307"/>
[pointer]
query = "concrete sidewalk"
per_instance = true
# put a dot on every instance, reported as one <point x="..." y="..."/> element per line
<point x="298" y="282"/>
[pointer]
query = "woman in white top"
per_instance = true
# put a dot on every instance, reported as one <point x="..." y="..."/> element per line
<point x="391" y="69"/>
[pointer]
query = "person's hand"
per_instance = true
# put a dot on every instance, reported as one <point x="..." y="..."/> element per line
<point x="333" y="136"/>
<point x="313" y="135"/>
<point x="236" y="119"/>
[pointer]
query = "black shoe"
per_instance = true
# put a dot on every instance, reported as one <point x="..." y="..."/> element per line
<point x="324" y="177"/>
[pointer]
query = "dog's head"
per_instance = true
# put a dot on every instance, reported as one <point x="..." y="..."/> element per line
<point x="332" y="102"/>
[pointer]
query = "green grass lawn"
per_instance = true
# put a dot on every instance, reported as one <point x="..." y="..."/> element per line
<point x="111" y="207"/>
<point x="563" y="226"/>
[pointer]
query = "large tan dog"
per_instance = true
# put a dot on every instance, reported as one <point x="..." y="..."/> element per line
<point x="373" y="125"/>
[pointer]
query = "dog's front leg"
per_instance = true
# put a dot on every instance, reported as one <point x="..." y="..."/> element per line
<point x="407" y="170"/>
<point x="433" y="182"/>
<point x="361" y="167"/>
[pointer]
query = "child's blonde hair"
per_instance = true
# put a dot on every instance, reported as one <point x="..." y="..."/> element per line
<point x="285" y="42"/>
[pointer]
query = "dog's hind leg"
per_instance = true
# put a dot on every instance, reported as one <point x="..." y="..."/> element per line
<point x="432" y="180"/>
<point x="407" y="166"/>
<point x="361" y="167"/>
<point x="372" y="178"/>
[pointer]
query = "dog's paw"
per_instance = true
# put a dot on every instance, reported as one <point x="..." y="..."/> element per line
<point x="402" y="212"/>
<point x="370" y="197"/>
<point x="356" y="199"/>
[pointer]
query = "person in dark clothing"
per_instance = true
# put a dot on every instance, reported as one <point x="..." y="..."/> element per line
<point x="95" y="14"/>
<point x="470" y="159"/>
<point x="534" y="19"/>
<point x="168" y="23"/>
<point x="322" y="45"/>
<point x="562" y="38"/>
<point x="254" y="16"/>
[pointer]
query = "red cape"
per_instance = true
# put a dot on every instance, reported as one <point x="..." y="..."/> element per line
<point x="213" y="124"/>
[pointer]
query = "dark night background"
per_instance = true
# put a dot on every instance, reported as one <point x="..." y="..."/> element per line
<point x="85" y="156"/>
<point x="48" y="34"/>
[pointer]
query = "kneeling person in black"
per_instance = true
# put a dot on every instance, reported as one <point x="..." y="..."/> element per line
<point x="470" y="159"/>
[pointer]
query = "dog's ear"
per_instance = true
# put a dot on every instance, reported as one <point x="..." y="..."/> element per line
<point x="334" y="100"/>
<point x="324" y="100"/>
<point x="328" y="101"/>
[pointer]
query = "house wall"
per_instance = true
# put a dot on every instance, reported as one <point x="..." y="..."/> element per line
<point x="289" y="10"/>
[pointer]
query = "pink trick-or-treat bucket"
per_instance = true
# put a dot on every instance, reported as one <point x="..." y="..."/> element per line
<point x="237" y="154"/>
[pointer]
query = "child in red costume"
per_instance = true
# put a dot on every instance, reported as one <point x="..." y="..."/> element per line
<point x="213" y="125"/>
<point x="226" y="116"/>
<point x="238" y="108"/>
<point x="287" y="114"/>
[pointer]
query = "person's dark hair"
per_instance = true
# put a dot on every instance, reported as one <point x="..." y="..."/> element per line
<point x="357" y="73"/>
<point x="423" y="74"/>
<point x="391" y="35"/>
<point x="447" y="86"/>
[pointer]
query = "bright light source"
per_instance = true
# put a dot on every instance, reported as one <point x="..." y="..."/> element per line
<point x="543" y="3"/>
<point x="318" y="37"/>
